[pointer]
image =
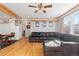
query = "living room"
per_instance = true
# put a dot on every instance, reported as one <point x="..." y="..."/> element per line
<point x="40" y="29"/>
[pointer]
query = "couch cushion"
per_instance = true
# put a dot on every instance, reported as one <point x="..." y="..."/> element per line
<point x="70" y="38"/>
<point x="43" y="34"/>
<point x="35" y="34"/>
<point x="51" y="34"/>
<point x="58" y="35"/>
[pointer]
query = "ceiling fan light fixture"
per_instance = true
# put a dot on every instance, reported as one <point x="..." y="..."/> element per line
<point x="40" y="11"/>
<point x="41" y="8"/>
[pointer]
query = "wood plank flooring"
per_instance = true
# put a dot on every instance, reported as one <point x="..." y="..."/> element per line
<point x="23" y="48"/>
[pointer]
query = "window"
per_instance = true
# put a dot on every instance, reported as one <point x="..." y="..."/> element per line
<point x="37" y="24"/>
<point x="44" y="24"/>
<point x="50" y="24"/>
<point x="71" y="23"/>
<point x="76" y="24"/>
<point x="67" y="26"/>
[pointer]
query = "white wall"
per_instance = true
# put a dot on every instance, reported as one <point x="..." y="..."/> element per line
<point x="6" y="28"/>
<point x="55" y="27"/>
<point x="60" y="25"/>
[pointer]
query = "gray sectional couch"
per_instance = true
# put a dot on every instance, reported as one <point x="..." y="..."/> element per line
<point x="41" y="36"/>
<point x="57" y="44"/>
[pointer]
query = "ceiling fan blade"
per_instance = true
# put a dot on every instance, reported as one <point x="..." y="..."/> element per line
<point x="32" y="6"/>
<point x="47" y="6"/>
<point x="44" y="11"/>
<point x="36" y="11"/>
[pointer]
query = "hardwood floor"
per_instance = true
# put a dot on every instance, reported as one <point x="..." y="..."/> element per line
<point x="23" y="48"/>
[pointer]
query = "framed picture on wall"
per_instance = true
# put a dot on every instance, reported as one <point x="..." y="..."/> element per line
<point x="43" y="24"/>
<point x="37" y="24"/>
<point x="16" y="22"/>
<point x="50" y="24"/>
<point x="28" y="26"/>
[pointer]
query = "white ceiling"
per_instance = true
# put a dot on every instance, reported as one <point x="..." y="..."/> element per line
<point x="24" y="11"/>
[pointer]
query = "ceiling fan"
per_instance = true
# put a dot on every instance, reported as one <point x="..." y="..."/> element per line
<point x="40" y="7"/>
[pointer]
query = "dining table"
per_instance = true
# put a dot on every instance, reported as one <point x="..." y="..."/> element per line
<point x="4" y="40"/>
